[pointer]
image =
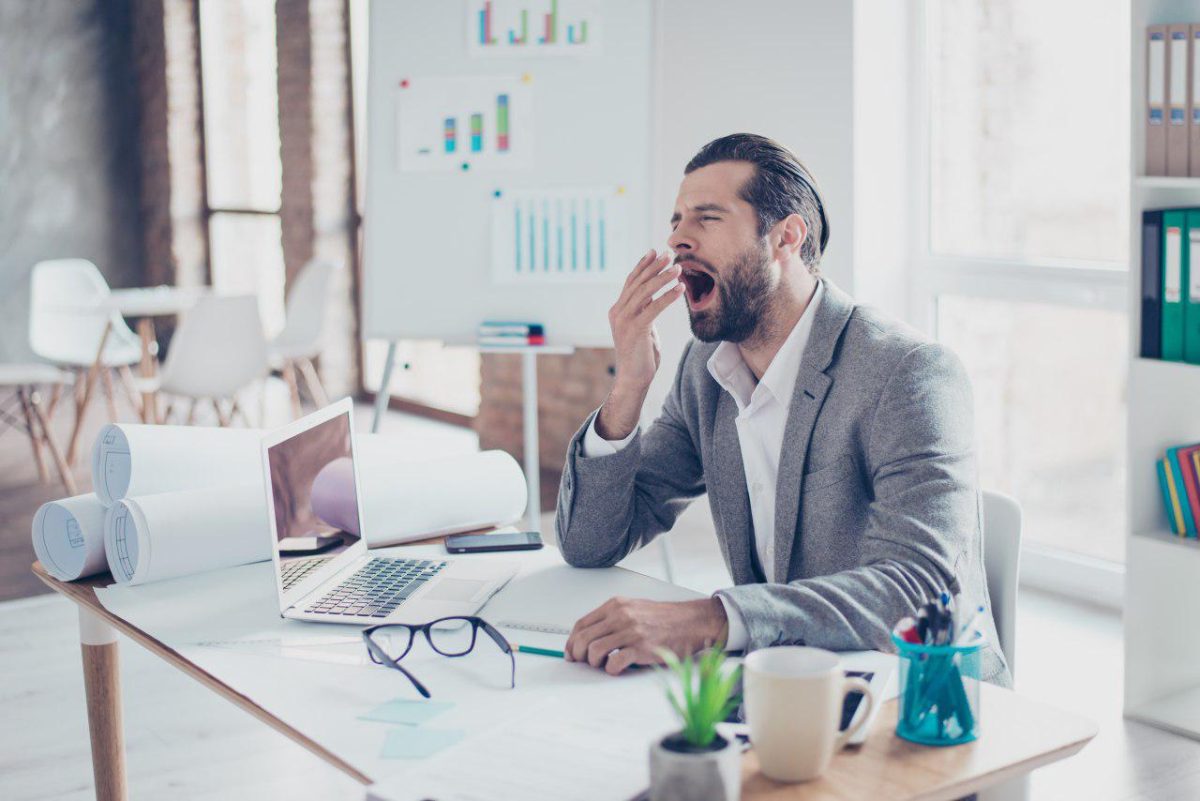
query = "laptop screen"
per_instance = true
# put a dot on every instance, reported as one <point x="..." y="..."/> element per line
<point x="314" y="497"/>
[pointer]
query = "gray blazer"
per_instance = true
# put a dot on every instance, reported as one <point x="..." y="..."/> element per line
<point x="877" y="506"/>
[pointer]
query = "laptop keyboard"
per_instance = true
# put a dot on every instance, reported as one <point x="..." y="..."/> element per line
<point x="377" y="588"/>
<point x="296" y="569"/>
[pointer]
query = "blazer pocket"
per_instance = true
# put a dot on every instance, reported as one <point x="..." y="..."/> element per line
<point x="835" y="473"/>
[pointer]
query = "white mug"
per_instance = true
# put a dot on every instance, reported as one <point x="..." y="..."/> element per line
<point x="793" y="703"/>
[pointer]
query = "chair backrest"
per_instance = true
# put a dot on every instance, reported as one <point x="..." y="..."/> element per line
<point x="218" y="348"/>
<point x="1002" y="561"/>
<point x="66" y="318"/>
<point x="306" y="304"/>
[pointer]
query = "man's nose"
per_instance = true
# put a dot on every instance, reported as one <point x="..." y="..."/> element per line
<point x="679" y="240"/>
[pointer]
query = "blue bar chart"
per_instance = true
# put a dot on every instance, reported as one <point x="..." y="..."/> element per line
<point x="560" y="235"/>
<point x="533" y="27"/>
<point x="464" y="123"/>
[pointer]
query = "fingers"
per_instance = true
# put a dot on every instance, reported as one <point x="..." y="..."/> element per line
<point x="626" y="658"/>
<point x="655" y="307"/>
<point x="641" y="274"/>
<point x="651" y="255"/>
<point x="591" y="626"/>
<point x="598" y="651"/>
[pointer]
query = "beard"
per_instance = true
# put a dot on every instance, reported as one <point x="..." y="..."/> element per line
<point x="743" y="299"/>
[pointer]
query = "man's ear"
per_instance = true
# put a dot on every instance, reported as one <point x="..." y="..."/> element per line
<point x="788" y="235"/>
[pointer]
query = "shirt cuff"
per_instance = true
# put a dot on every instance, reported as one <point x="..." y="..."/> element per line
<point x="596" y="445"/>
<point x="738" y="635"/>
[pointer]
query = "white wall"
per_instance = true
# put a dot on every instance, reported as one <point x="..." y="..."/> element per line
<point x="781" y="68"/>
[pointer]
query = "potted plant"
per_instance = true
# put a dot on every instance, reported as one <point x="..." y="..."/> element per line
<point x="696" y="763"/>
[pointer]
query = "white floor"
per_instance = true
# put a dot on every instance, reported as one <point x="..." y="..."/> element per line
<point x="184" y="742"/>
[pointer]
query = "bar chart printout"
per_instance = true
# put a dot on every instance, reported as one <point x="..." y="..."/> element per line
<point x="533" y="27"/>
<point x="560" y="236"/>
<point x="461" y="124"/>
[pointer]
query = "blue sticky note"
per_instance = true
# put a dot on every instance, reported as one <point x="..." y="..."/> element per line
<point x="409" y="742"/>
<point x="403" y="710"/>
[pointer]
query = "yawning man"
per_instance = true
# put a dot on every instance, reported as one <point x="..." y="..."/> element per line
<point x="835" y="444"/>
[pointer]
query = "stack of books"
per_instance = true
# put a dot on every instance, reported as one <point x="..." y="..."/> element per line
<point x="1177" y="476"/>
<point x="502" y="334"/>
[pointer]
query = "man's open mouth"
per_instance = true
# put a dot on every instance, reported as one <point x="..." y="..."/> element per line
<point x="701" y="286"/>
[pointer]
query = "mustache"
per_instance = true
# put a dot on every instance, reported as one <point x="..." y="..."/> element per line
<point x="687" y="257"/>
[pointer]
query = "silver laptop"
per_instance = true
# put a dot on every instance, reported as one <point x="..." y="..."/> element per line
<point x="323" y="571"/>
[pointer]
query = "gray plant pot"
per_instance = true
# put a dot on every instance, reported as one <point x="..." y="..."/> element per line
<point x="679" y="775"/>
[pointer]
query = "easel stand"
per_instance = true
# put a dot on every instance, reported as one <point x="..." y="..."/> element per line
<point x="529" y="393"/>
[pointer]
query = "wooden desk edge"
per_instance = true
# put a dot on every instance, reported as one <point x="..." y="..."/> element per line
<point x="83" y="593"/>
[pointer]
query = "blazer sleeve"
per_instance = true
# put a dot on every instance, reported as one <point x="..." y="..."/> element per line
<point x="611" y="505"/>
<point x="921" y="524"/>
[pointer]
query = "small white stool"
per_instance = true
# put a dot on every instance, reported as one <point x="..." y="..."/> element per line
<point x="26" y="380"/>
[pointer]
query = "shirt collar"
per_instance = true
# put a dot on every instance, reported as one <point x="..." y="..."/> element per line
<point x="730" y="371"/>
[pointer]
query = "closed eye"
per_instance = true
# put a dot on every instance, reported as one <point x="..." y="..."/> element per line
<point x="710" y="218"/>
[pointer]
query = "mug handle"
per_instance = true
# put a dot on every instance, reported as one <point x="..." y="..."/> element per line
<point x="855" y="684"/>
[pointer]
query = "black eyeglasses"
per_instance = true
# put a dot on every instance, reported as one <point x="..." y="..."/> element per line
<point x="388" y="643"/>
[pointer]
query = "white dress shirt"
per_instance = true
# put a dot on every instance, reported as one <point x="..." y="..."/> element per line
<point x="762" y="416"/>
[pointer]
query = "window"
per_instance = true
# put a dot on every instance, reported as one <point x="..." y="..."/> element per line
<point x="238" y="73"/>
<point x="1022" y="263"/>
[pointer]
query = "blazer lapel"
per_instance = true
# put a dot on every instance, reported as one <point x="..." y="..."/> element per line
<point x="812" y="385"/>
<point x="727" y="481"/>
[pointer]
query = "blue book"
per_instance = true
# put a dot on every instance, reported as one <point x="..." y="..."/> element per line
<point x="1173" y="515"/>
<point x="1189" y="525"/>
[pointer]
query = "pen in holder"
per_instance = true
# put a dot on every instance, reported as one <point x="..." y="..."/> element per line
<point x="939" y="692"/>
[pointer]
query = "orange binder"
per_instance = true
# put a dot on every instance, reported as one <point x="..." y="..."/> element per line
<point x="1156" y="100"/>
<point x="1178" y="95"/>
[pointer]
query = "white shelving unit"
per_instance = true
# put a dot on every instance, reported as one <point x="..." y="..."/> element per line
<point x="1162" y="593"/>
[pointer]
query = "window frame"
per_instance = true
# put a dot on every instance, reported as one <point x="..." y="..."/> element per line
<point x="1078" y="284"/>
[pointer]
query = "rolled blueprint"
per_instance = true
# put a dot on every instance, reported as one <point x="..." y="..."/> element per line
<point x="68" y="537"/>
<point x="155" y="537"/>
<point x="404" y="499"/>
<point x="130" y="460"/>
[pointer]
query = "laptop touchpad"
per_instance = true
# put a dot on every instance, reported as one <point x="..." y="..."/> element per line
<point x="454" y="589"/>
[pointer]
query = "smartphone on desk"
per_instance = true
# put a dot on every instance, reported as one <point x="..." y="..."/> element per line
<point x="483" y="543"/>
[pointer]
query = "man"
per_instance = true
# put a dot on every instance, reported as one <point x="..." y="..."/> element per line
<point x="835" y="444"/>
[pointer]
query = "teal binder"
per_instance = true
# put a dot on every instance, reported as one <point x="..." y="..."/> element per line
<point x="1174" y="283"/>
<point x="1191" y="290"/>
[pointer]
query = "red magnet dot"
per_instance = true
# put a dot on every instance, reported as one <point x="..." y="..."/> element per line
<point x="404" y="84"/>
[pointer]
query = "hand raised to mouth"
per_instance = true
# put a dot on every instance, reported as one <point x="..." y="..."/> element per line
<point x="631" y="319"/>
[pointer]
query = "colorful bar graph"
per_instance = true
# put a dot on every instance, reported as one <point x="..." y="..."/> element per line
<point x="600" y="223"/>
<point x="587" y="234"/>
<point x="502" y="123"/>
<point x="559" y="228"/>
<point x="451" y="134"/>
<point x="476" y="133"/>
<point x="514" y="16"/>
<point x="545" y="236"/>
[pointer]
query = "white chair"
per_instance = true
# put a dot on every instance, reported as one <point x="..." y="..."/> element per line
<point x="301" y="339"/>
<point x="218" y="350"/>
<point x="68" y="326"/>
<point x="1001" y="563"/>
<point x="26" y="379"/>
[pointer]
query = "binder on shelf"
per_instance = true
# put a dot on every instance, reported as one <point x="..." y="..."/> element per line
<point x="1156" y="100"/>
<point x="1183" y="491"/>
<point x="1152" y="242"/>
<point x="1170" y="502"/>
<point x="1178" y="94"/>
<point x="1191" y="297"/>
<point x="1194" y="104"/>
<point x="1174" y="279"/>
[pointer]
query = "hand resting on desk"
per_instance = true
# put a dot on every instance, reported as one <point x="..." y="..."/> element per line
<point x="623" y="632"/>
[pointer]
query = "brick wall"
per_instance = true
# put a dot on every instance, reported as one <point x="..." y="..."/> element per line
<point x="314" y="129"/>
<point x="569" y="388"/>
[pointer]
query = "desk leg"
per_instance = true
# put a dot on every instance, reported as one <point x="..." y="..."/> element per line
<point x="533" y="462"/>
<point x="101" y="680"/>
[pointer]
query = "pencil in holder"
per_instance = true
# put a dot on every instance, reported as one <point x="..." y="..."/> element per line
<point x="939" y="692"/>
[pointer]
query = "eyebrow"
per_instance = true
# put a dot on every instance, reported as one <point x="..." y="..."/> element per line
<point x="676" y="217"/>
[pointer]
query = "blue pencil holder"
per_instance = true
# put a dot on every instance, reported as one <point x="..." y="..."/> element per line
<point x="939" y="692"/>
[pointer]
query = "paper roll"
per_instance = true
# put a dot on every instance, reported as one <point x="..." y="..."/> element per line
<point x="404" y="499"/>
<point x="68" y="537"/>
<point x="155" y="537"/>
<point x="130" y="460"/>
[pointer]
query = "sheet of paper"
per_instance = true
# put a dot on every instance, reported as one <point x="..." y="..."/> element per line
<point x="407" y="711"/>
<point x="590" y="748"/>
<point x="68" y="537"/>
<point x="413" y="742"/>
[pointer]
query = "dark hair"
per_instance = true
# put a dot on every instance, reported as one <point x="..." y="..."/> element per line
<point x="780" y="186"/>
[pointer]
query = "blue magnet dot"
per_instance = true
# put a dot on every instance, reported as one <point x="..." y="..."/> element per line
<point x="497" y="193"/>
<point x="466" y="166"/>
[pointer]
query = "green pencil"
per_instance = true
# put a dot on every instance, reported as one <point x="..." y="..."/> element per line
<point x="529" y="649"/>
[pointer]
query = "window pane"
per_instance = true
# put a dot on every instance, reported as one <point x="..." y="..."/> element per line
<point x="441" y="377"/>
<point x="247" y="258"/>
<point x="1029" y="128"/>
<point x="241" y="104"/>
<point x="1049" y="385"/>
